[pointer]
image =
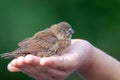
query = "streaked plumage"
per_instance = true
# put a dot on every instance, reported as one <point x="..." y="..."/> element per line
<point x="51" y="41"/>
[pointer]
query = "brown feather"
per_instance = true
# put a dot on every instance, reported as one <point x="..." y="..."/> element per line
<point x="51" y="41"/>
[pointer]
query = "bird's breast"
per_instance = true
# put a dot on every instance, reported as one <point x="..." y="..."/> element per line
<point x="64" y="43"/>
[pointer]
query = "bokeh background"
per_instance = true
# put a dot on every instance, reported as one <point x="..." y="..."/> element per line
<point x="97" y="21"/>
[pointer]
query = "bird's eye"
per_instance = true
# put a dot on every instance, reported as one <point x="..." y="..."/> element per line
<point x="63" y="30"/>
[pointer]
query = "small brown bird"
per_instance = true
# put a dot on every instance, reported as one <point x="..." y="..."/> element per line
<point x="51" y="41"/>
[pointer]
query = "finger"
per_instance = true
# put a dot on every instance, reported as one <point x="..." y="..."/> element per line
<point x="24" y="64"/>
<point x="27" y="61"/>
<point x="20" y="61"/>
<point x="48" y="73"/>
<point x="11" y="66"/>
<point x="58" y="62"/>
<point x="30" y="65"/>
<point x="46" y="61"/>
<point x="56" y="74"/>
<point x="36" y="73"/>
<point x="30" y="59"/>
<point x="18" y="64"/>
<point x="31" y="62"/>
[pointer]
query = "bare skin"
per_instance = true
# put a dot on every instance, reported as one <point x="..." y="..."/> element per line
<point x="81" y="56"/>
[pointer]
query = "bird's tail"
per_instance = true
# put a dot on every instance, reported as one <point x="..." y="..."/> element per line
<point x="7" y="55"/>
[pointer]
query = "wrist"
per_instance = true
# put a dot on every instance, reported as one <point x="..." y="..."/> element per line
<point x="87" y="62"/>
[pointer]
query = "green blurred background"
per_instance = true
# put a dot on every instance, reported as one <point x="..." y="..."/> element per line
<point x="97" y="21"/>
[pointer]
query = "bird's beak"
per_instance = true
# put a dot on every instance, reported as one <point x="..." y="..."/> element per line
<point x="71" y="31"/>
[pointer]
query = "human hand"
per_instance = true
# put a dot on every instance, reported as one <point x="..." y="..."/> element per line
<point x="77" y="56"/>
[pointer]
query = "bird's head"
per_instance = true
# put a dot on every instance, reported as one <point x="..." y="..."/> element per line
<point x="62" y="31"/>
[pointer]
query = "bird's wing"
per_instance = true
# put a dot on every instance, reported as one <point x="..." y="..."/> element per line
<point x="25" y="42"/>
<point x="32" y="40"/>
<point x="44" y="39"/>
<point x="49" y="45"/>
<point x="47" y="41"/>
